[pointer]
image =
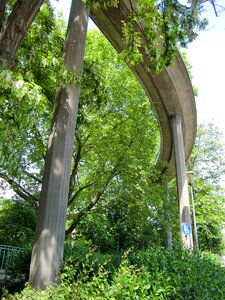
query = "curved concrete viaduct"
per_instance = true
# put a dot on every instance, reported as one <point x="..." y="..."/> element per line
<point x="170" y="92"/>
<point x="171" y="95"/>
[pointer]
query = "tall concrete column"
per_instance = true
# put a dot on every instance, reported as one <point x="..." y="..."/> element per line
<point x="48" y="249"/>
<point x="182" y="184"/>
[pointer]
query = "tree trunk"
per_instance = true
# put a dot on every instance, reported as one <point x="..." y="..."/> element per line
<point x="167" y="214"/>
<point x="2" y="13"/>
<point x="48" y="249"/>
<point x="23" y="14"/>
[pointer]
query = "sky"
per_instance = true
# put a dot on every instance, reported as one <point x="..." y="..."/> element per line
<point x="207" y="57"/>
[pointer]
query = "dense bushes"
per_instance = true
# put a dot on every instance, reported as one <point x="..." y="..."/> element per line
<point x="152" y="274"/>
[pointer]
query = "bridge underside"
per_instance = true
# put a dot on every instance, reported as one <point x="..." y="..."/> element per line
<point x="170" y="91"/>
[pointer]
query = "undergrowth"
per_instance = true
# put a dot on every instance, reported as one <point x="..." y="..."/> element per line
<point x="155" y="273"/>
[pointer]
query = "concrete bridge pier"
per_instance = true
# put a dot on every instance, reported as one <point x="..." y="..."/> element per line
<point x="48" y="249"/>
<point x="182" y="183"/>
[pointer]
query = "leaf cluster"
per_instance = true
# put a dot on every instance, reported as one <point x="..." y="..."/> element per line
<point x="153" y="274"/>
<point x="158" y="27"/>
<point x="116" y="134"/>
<point x="17" y="223"/>
<point x="26" y="101"/>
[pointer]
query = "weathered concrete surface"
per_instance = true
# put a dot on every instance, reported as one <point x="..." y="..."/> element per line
<point x="47" y="254"/>
<point x="182" y="183"/>
<point x="170" y="92"/>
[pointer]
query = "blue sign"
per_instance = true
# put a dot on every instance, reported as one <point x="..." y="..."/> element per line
<point x="186" y="229"/>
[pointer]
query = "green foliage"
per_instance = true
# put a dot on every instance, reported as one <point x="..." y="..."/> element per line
<point x="158" y="27"/>
<point x="207" y="160"/>
<point x="152" y="274"/>
<point x="17" y="223"/>
<point x="116" y="135"/>
<point x="26" y="100"/>
<point x="210" y="216"/>
<point x="130" y="219"/>
<point x="178" y="274"/>
<point x="101" y="3"/>
<point x="158" y="36"/>
<point x="17" y="227"/>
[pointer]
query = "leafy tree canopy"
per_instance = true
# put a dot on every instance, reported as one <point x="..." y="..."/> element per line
<point x="208" y="163"/>
<point x="117" y="136"/>
<point x="17" y="223"/>
<point x="163" y="24"/>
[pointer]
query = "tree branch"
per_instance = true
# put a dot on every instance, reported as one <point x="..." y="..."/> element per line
<point x="78" y="192"/>
<point x="33" y="176"/>
<point x="19" y="190"/>
<point x="92" y="203"/>
<point x="78" y="216"/>
<point x="75" y="164"/>
<point x="39" y="137"/>
<point x="2" y="13"/>
<point x="214" y="7"/>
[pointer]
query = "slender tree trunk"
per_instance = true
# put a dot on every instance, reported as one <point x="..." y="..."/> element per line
<point x="23" y="14"/>
<point x="169" y="234"/>
<point x="2" y="13"/>
<point x="48" y="249"/>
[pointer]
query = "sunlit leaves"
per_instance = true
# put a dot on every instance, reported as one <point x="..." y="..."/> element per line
<point x="207" y="160"/>
<point x="116" y="130"/>
<point x="21" y="118"/>
<point x="26" y="99"/>
<point x="159" y="27"/>
<point x="100" y="3"/>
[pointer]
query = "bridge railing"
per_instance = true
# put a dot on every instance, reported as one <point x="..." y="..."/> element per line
<point x="7" y="256"/>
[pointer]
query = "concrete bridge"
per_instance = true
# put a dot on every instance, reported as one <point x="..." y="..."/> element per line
<point x="172" y="97"/>
<point x="170" y="92"/>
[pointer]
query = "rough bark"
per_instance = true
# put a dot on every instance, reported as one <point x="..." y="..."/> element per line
<point x="23" y="14"/>
<point x="2" y="13"/>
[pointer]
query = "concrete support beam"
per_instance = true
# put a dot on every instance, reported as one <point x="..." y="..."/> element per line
<point x="48" y="249"/>
<point x="182" y="183"/>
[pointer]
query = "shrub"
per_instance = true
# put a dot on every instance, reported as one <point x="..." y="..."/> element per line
<point x="152" y="274"/>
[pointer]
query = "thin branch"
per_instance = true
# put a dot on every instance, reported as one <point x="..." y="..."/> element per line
<point x="74" y="196"/>
<point x="18" y="189"/>
<point x="33" y="177"/>
<point x="78" y="216"/>
<point x="39" y="137"/>
<point x="214" y="7"/>
<point x="75" y="164"/>
<point x="92" y="203"/>
<point x="89" y="148"/>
